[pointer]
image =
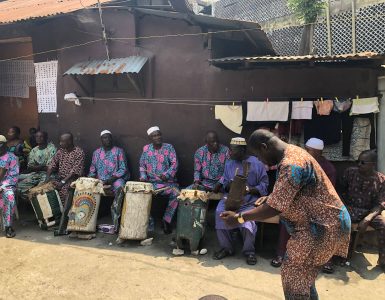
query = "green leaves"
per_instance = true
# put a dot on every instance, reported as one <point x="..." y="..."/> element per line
<point x="307" y="10"/>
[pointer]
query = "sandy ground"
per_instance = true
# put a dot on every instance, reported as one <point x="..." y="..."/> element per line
<point x="37" y="265"/>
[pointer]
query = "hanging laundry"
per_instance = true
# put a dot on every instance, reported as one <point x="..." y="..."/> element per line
<point x="301" y="110"/>
<point x="342" y="105"/>
<point x="360" y="137"/>
<point x="326" y="128"/>
<point x="324" y="107"/>
<point x="230" y="116"/>
<point x="267" y="111"/>
<point x="365" y="106"/>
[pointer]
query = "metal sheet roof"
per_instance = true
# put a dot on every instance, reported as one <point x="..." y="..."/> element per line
<point x="253" y="30"/>
<point x="18" y="10"/>
<point x="304" y="58"/>
<point x="131" y="64"/>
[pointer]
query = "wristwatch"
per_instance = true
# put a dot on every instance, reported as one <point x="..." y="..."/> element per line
<point x="240" y="218"/>
<point x="63" y="182"/>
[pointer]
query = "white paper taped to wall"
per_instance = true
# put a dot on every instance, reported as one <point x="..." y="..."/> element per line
<point x="16" y="76"/>
<point x="46" y="82"/>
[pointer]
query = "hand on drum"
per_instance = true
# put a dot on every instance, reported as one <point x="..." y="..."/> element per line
<point x="229" y="218"/>
<point x="195" y="185"/>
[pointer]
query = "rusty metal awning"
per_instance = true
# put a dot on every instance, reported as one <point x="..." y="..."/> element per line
<point x="131" y="64"/>
<point x="299" y="59"/>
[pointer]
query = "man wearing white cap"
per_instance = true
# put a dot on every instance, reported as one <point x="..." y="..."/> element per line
<point x="314" y="147"/>
<point x="158" y="165"/>
<point x="257" y="184"/>
<point x="109" y="164"/>
<point x="9" y="172"/>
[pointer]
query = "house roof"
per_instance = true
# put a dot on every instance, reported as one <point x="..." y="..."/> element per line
<point x="251" y="29"/>
<point x="297" y="59"/>
<point x="131" y="64"/>
<point x="18" y="10"/>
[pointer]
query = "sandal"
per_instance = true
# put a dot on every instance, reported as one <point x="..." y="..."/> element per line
<point x="277" y="262"/>
<point x="167" y="229"/>
<point x="328" y="268"/>
<point x="222" y="254"/>
<point x="251" y="259"/>
<point x="9" y="232"/>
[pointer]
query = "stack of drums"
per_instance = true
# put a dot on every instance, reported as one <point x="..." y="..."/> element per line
<point x="47" y="205"/>
<point x="191" y="221"/>
<point x="136" y="210"/>
<point x="85" y="205"/>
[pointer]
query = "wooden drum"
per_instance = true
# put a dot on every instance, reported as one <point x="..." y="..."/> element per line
<point x="85" y="205"/>
<point x="136" y="210"/>
<point x="47" y="205"/>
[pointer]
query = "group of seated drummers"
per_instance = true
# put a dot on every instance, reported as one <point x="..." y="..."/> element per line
<point x="215" y="166"/>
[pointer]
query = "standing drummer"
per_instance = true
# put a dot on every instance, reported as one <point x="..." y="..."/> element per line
<point x="257" y="184"/>
<point x="109" y="165"/>
<point x="209" y="164"/>
<point x="158" y="165"/>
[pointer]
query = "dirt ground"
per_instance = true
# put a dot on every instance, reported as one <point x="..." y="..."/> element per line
<point x="37" y="265"/>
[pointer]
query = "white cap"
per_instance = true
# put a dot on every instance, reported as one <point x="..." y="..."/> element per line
<point x="105" y="132"/>
<point x="315" y="143"/>
<point x="3" y="139"/>
<point x="152" y="129"/>
<point x="238" y="141"/>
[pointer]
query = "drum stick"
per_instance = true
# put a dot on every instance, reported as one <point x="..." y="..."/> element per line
<point x="155" y="192"/>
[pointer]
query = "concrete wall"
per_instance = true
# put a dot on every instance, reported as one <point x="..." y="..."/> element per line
<point x="178" y="69"/>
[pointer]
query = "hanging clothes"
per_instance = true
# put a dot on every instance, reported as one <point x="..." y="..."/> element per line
<point x="302" y="110"/>
<point x="268" y="111"/>
<point x="230" y="116"/>
<point x="327" y="128"/>
<point x="360" y="137"/>
<point x="365" y="106"/>
<point x="324" y="107"/>
<point x="342" y="105"/>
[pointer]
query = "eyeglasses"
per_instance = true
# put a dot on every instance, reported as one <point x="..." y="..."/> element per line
<point x="362" y="162"/>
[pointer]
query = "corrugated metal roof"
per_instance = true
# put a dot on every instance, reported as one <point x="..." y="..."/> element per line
<point x="252" y="29"/>
<point x="18" y="10"/>
<point x="131" y="64"/>
<point x="304" y="58"/>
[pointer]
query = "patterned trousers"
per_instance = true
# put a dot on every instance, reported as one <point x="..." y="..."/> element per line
<point x="172" y="195"/>
<point x="8" y="205"/>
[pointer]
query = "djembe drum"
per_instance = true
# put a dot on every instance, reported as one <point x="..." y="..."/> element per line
<point x="136" y="210"/>
<point x="191" y="221"/>
<point x="85" y="205"/>
<point x="46" y="203"/>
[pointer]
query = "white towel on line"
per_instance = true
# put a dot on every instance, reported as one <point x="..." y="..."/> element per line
<point x="302" y="110"/>
<point x="230" y="116"/>
<point x="365" y="106"/>
<point x="267" y="111"/>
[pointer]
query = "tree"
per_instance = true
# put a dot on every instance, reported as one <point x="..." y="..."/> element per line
<point x="307" y="11"/>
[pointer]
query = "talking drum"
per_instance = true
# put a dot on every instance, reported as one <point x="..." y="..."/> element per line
<point x="136" y="210"/>
<point x="85" y="205"/>
<point x="47" y="205"/>
<point x="191" y="218"/>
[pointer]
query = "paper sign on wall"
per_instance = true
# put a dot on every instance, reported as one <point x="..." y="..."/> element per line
<point x="46" y="81"/>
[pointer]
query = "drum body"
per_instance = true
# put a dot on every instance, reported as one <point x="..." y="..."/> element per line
<point x="191" y="221"/>
<point x="46" y="204"/>
<point x="136" y="210"/>
<point x="85" y="205"/>
<point x="236" y="194"/>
